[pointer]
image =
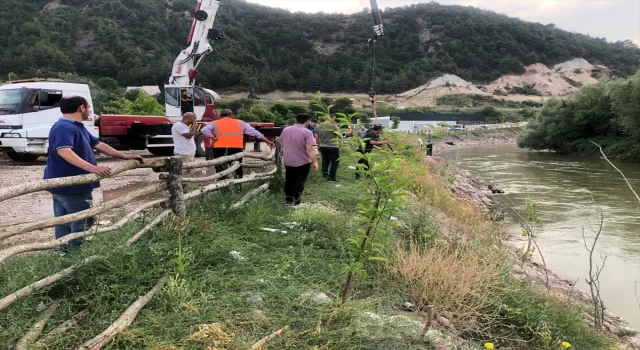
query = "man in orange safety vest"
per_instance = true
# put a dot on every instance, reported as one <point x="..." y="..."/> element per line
<point x="228" y="137"/>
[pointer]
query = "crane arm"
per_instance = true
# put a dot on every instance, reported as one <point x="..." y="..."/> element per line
<point x="185" y="66"/>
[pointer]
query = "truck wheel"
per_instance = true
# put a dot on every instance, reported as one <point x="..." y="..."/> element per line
<point x="21" y="157"/>
<point x="161" y="151"/>
<point x="200" y="152"/>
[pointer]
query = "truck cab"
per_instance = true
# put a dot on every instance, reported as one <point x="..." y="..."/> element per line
<point x="28" y="110"/>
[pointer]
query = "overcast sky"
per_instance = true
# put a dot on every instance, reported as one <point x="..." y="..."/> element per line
<point x="612" y="19"/>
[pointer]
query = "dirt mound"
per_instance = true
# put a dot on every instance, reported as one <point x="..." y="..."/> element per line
<point x="564" y="79"/>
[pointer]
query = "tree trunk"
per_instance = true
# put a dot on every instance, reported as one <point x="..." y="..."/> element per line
<point x="176" y="200"/>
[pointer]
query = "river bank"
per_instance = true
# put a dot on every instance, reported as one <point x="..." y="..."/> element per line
<point x="239" y="274"/>
<point x="474" y="190"/>
<point x="479" y="137"/>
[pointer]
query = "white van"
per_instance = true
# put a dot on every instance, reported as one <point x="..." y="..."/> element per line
<point x="28" y="111"/>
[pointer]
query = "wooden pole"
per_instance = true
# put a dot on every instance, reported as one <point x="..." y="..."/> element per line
<point x="9" y="231"/>
<point x="250" y="195"/>
<point x="45" y="282"/>
<point x="36" y="329"/>
<point x="24" y="188"/>
<point x="30" y="247"/>
<point x="176" y="200"/>
<point x="65" y="326"/>
<point x="124" y="320"/>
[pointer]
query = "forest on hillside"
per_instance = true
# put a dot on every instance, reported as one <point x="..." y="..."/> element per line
<point x="135" y="42"/>
<point x="605" y="113"/>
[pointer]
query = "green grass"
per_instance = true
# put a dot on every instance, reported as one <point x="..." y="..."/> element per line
<point x="212" y="287"/>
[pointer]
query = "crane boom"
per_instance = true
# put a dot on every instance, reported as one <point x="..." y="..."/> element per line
<point x="378" y="28"/>
<point x="186" y="64"/>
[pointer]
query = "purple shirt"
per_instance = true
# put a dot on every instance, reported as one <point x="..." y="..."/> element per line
<point x="246" y="128"/>
<point x="295" y="140"/>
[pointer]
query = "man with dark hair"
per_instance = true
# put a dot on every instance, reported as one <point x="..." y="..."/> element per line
<point x="228" y="137"/>
<point x="371" y="140"/>
<point x="299" y="155"/>
<point x="184" y="144"/>
<point x="70" y="154"/>
<point x="329" y="147"/>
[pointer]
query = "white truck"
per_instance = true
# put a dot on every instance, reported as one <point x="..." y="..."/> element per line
<point x="27" y="112"/>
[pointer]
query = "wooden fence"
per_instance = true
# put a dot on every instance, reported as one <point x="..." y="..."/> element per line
<point x="173" y="199"/>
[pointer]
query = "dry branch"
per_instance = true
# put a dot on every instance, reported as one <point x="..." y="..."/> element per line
<point x="620" y="171"/>
<point x="116" y="203"/>
<point x="250" y="195"/>
<point x="227" y="183"/>
<point x="427" y="325"/>
<point x="19" y="190"/>
<point x="37" y="327"/>
<point x="217" y="176"/>
<point x="124" y="320"/>
<point x="63" y="327"/>
<point x="147" y="228"/>
<point x="262" y="342"/>
<point x="47" y="281"/>
<point x="31" y="247"/>
<point x="257" y="165"/>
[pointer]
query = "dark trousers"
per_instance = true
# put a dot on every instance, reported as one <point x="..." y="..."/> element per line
<point x="429" y="150"/>
<point x="70" y="204"/>
<point x="222" y="152"/>
<point x="295" y="178"/>
<point x="208" y="153"/>
<point x="363" y="170"/>
<point x="330" y="162"/>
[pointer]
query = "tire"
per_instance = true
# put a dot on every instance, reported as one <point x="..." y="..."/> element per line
<point x="22" y="157"/>
<point x="200" y="151"/>
<point x="161" y="151"/>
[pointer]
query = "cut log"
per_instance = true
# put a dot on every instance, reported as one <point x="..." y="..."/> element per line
<point x="250" y="195"/>
<point x="261" y="343"/>
<point x="13" y="230"/>
<point x="35" y="331"/>
<point x="23" y="248"/>
<point x="124" y="320"/>
<point x="227" y="159"/>
<point x="176" y="193"/>
<point x="227" y="183"/>
<point x="45" y="282"/>
<point x="63" y="327"/>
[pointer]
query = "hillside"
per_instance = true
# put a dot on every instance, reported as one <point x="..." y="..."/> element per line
<point x="135" y="42"/>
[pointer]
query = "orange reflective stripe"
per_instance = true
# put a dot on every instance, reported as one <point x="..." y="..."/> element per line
<point x="229" y="133"/>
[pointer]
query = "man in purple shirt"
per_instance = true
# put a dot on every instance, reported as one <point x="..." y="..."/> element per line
<point x="210" y="131"/>
<point x="299" y="155"/>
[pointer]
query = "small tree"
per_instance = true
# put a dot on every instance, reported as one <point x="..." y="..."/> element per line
<point x="142" y="105"/>
<point x="395" y="122"/>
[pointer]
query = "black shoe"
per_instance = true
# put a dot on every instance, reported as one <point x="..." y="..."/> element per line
<point x="334" y="180"/>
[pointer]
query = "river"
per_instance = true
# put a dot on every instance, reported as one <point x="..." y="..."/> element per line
<point x="565" y="189"/>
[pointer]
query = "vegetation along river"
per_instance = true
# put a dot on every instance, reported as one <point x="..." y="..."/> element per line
<point x="563" y="187"/>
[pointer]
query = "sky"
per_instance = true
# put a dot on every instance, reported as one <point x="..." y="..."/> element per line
<point x="612" y="19"/>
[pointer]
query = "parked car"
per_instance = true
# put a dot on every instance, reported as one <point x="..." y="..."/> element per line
<point x="456" y="127"/>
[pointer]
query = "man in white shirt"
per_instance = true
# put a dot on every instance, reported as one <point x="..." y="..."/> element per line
<point x="420" y="143"/>
<point x="184" y="145"/>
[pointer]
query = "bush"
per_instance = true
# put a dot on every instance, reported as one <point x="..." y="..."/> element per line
<point x="453" y="281"/>
<point x="138" y="103"/>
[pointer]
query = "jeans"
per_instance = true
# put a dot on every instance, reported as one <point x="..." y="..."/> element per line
<point x="222" y="152"/>
<point x="295" y="177"/>
<point x="330" y="162"/>
<point x="70" y="204"/>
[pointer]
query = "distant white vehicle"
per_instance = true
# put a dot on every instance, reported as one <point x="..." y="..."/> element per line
<point x="456" y="127"/>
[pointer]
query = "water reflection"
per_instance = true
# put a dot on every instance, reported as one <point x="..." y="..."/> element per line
<point x="567" y="189"/>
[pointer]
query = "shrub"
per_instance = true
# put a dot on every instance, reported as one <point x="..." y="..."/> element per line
<point x="452" y="280"/>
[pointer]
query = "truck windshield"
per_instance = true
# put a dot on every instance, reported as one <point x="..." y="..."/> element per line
<point x="10" y="100"/>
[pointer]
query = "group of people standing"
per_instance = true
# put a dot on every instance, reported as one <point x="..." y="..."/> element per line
<point x="72" y="154"/>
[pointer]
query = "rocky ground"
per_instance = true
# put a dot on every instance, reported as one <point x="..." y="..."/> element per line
<point x="470" y="189"/>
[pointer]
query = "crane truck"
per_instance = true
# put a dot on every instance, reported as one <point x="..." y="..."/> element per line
<point x="29" y="108"/>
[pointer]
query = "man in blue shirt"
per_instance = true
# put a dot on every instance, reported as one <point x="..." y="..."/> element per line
<point x="70" y="154"/>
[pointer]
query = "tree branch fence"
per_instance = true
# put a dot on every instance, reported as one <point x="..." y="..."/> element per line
<point x="171" y="186"/>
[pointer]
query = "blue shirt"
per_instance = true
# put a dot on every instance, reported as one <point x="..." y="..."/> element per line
<point x="67" y="133"/>
<point x="310" y="128"/>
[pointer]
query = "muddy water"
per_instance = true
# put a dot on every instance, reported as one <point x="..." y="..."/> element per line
<point x="565" y="189"/>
